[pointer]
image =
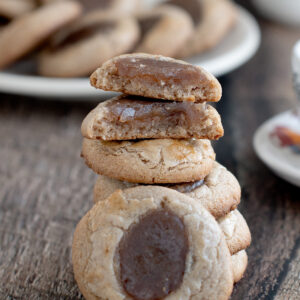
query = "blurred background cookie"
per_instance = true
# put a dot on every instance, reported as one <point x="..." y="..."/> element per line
<point x="11" y="9"/>
<point x="79" y="49"/>
<point x="27" y="32"/>
<point x="164" y="29"/>
<point x="212" y="20"/>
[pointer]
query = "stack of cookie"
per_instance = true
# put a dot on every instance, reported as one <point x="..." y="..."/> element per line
<point x="151" y="147"/>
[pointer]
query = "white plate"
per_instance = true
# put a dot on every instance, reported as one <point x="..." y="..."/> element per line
<point x="273" y="145"/>
<point x="237" y="48"/>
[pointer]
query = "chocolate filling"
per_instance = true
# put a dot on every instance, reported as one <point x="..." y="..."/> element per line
<point x="96" y="4"/>
<point x="142" y="112"/>
<point x="152" y="256"/>
<point x="84" y="33"/>
<point x="193" y="7"/>
<point x="186" y="187"/>
<point x="160" y="71"/>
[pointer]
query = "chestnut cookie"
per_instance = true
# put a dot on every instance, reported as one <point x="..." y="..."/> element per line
<point x="239" y="265"/>
<point x="11" y="9"/>
<point x="212" y="20"/>
<point x="236" y="231"/>
<point x="132" y="117"/>
<point x="150" y="161"/>
<point x="24" y="34"/>
<point x="151" y="243"/>
<point x="79" y="49"/>
<point x="164" y="30"/>
<point x="219" y="192"/>
<point x="156" y="76"/>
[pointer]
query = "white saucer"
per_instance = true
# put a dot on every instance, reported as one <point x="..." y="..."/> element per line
<point x="237" y="48"/>
<point x="273" y="145"/>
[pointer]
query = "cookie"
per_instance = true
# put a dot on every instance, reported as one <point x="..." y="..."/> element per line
<point x="11" y="9"/>
<point x="239" y="265"/>
<point x="219" y="192"/>
<point x="151" y="243"/>
<point x="236" y="231"/>
<point x="164" y="30"/>
<point x="24" y="34"/>
<point x="150" y="161"/>
<point x="156" y="76"/>
<point x="131" y="117"/>
<point x="77" y="51"/>
<point x="212" y="20"/>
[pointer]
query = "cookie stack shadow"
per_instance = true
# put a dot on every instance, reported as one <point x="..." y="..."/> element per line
<point x="157" y="133"/>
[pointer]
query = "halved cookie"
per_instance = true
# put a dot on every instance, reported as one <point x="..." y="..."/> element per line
<point x="150" y="161"/>
<point x="236" y="231"/>
<point x="11" y="9"/>
<point x="151" y="243"/>
<point x="130" y="117"/>
<point x="219" y="192"/>
<point x="156" y="76"/>
<point x="239" y="265"/>
<point x="27" y="32"/>
<point x="212" y="20"/>
<point x="164" y="30"/>
<point x="78" y="50"/>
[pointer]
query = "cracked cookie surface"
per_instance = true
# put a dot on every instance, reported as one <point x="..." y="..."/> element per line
<point x="208" y="269"/>
<point x="150" y="161"/>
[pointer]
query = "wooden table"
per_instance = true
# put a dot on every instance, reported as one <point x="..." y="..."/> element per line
<point x="45" y="188"/>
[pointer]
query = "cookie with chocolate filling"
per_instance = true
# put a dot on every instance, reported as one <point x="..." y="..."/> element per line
<point x="11" y="9"/>
<point x="164" y="30"/>
<point x="150" y="161"/>
<point x="239" y="265"/>
<point x="156" y="76"/>
<point x="78" y="50"/>
<point x="212" y="21"/>
<point x="150" y="243"/>
<point x="236" y="231"/>
<point x="132" y="117"/>
<point x="219" y="192"/>
<point x="24" y="34"/>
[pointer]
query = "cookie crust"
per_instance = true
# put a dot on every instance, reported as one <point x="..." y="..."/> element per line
<point x="128" y="117"/>
<point x="219" y="194"/>
<point x="160" y="82"/>
<point x="150" y="161"/>
<point x="208" y="273"/>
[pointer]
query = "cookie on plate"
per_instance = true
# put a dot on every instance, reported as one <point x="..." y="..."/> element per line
<point x="212" y="20"/>
<point x="78" y="50"/>
<point x="239" y="265"/>
<point x="164" y="30"/>
<point x="236" y="231"/>
<point x="219" y="192"/>
<point x="150" y="161"/>
<point x="24" y="34"/>
<point x="11" y="9"/>
<point x="131" y="117"/>
<point x="151" y="243"/>
<point x="156" y="76"/>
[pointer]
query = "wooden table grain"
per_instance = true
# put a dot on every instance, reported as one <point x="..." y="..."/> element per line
<point x="45" y="188"/>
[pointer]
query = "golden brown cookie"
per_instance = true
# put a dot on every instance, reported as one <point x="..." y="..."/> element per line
<point x="156" y="76"/>
<point x="212" y="20"/>
<point x="92" y="40"/>
<point x="239" y="265"/>
<point x="236" y="231"/>
<point x="11" y="9"/>
<point x="219" y="192"/>
<point x="130" y="117"/>
<point x="150" y="161"/>
<point x="151" y="243"/>
<point x="164" y="30"/>
<point x="24" y="34"/>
